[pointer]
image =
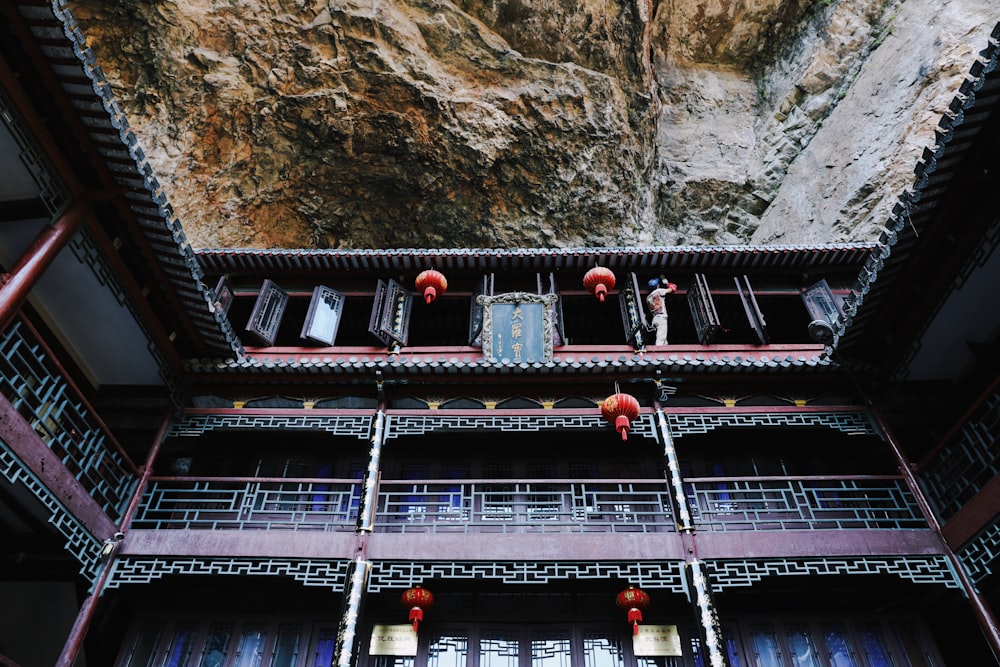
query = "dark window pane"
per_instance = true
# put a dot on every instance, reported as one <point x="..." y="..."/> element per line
<point x="216" y="646"/>
<point x="286" y="648"/>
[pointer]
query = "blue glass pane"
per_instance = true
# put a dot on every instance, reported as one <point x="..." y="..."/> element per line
<point x="179" y="653"/>
<point x="732" y="648"/>
<point x="873" y="647"/>
<point x="251" y="649"/>
<point x="801" y="649"/>
<point x="765" y="648"/>
<point x="324" y="648"/>
<point x="838" y="649"/>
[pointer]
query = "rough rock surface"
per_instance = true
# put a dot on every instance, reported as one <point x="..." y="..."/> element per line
<point x="429" y="123"/>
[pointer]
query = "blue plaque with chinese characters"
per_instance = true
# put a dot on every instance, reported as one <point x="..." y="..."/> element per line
<point x="517" y="327"/>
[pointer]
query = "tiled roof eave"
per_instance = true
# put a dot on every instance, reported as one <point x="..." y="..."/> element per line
<point x="916" y="206"/>
<point x="249" y="260"/>
<point x="127" y="161"/>
<point x="813" y="360"/>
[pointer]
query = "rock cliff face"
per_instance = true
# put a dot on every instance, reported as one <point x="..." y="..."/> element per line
<point x="506" y="123"/>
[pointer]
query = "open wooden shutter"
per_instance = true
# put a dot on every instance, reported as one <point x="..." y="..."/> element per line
<point x="390" y="319"/>
<point x="323" y="317"/>
<point x="633" y="313"/>
<point x="824" y="311"/>
<point x="476" y="309"/>
<point x="265" y="318"/>
<point x="703" y="313"/>
<point x="223" y="294"/>
<point x="558" y="326"/>
<point x="750" y="307"/>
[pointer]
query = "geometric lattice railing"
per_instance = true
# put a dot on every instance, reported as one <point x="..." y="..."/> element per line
<point x="329" y="505"/>
<point x="964" y="465"/>
<point x="513" y="506"/>
<point x="788" y="503"/>
<point x="32" y="380"/>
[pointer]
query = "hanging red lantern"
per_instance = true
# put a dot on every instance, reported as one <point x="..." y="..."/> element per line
<point x="598" y="281"/>
<point x="620" y="409"/>
<point x="417" y="599"/>
<point x="633" y="600"/>
<point x="432" y="284"/>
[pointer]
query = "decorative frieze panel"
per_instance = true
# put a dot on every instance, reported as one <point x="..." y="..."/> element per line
<point x="83" y="546"/>
<point x="358" y="426"/>
<point x="918" y="569"/>
<point x="648" y="574"/>
<point x="326" y="573"/>
<point x="406" y="425"/>
<point x="851" y="423"/>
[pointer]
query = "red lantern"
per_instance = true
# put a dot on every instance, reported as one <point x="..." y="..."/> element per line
<point x="598" y="281"/>
<point x="417" y="599"/>
<point x="432" y="283"/>
<point x="620" y="409"/>
<point x="634" y="600"/>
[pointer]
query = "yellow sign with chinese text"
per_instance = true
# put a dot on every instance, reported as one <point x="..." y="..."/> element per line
<point x="393" y="640"/>
<point x="654" y="640"/>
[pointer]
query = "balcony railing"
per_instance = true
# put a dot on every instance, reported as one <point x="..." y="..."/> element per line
<point x="796" y="503"/>
<point x="510" y="506"/>
<point x="969" y="459"/>
<point x="244" y="503"/>
<point x="536" y="506"/>
<point x="39" y="389"/>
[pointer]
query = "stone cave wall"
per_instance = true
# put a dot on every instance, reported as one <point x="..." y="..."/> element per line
<point x="517" y="123"/>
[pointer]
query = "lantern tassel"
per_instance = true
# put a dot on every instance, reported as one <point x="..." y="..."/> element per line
<point x="416" y="615"/>
<point x="622" y="426"/>
<point x="430" y="294"/>
<point x="600" y="292"/>
<point x="634" y="617"/>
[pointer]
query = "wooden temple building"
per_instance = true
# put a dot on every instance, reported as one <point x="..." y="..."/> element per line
<point x="298" y="458"/>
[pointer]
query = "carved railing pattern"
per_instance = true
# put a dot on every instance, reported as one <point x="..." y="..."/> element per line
<point x="36" y="388"/>
<point x="785" y="503"/>
<point x="648" y="574"/>
<point x="143" y="570"/>
<point x="918" y="569"/>
<point x="852" y="423"/>
<point x="329" y="505"/>
<point x="358" y="426"/>
<point x="80" y="543"/>
<point x="873" y="502"/>
<point x="980" y="553"/>
<point x="512" y="506"/>
<point x="409" y="425"/>
<point x="963" y="466"/>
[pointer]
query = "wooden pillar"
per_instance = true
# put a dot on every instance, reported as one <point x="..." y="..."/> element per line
<point x="25" y="273"/>
<point x="346" y="650"/>
<point x="700" y="590"/>
<point x="369" y="486"/>
<point x="680" y="506"/>
<point x="71" y="649"/>
<point x="699" y="587"/>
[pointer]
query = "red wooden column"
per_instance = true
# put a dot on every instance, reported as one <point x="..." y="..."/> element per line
<point x="39" y="255"/>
